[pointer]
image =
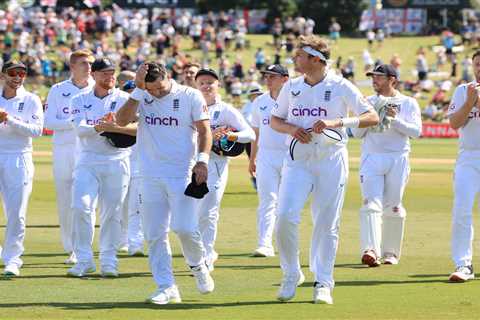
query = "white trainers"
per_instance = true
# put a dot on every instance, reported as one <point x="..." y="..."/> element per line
<point x="390" y="258"/>
<point x="322" y="294"/>
<point x="370" y="259"/>
<point x="263" y="252"/>
<point x="211" y="262"/>
<point x="11" y="270"/>
<point x="135" y="252"/>
<point x="72" y="259"/>
<point x="81" y="269"/>
<point x="165" y="296"/>
<point x="289" y="286"/>
<point x="462" y="274"/>
<point x="109" y="271"/>
<point x="123" y="249"/>
<point x="203" y="279"/>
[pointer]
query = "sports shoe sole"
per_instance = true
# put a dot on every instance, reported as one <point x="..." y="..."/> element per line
<point x="319" y="301"/>
<point x="457" y="278"/>
<point x="75" y="275"/>
<point x="370" y="261"/>
<point x="171" y="301"/>
<point x="10" y="274"/>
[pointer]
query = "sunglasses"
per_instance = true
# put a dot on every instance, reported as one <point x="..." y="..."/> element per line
<point x="14" y="73"/>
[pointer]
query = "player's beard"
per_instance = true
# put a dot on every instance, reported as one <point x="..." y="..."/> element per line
<point x="107" y="85"/>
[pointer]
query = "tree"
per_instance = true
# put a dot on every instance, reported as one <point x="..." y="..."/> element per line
<point x="347" y="12"/>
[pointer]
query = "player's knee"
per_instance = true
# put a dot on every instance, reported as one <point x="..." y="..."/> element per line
<point x="371" y="206"/>
<point x="397" y="211"/>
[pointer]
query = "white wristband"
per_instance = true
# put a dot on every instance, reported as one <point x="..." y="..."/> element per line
<point x="203" y="157"/>
<point x="137" y="94"/>
<point x="351" y="122"/>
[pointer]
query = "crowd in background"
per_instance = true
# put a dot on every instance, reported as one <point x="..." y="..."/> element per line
<point x="44" y="38"/>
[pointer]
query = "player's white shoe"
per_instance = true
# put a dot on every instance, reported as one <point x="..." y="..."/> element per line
<point x="123" y="249"/>
<point x="211" y="262"/>
<point x="108" y="271"/>
<point x="263" y="252"/>
<point x="72" y="259"/>
<point x="135" y="252"/>
<point x="370" y="259"/>
<point x="462" y="274"/>
<point x="289" y="286"/>
<point x="165" y="296"/>
<point x="203" y="279"/>
<point x="390" y="258"/>
<point x="81" y="269"/>
<point x="11" y="270"/>
<point x="322" y="294"/>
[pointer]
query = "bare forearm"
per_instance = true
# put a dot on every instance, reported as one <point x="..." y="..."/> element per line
<point x="368" y="119"/>
<point x="130" y="129"/>
<point x="280" y="125"/>
<point x="459" y="118"/>
<point x="127" y="113"/>
<point x="254" y="145"/>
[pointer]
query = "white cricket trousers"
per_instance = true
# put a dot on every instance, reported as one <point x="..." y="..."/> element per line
<point x="16" y="178"/>
<point x="466" y="189"/>
<point x="163" y="204"/>
<point x="326" y="180"/>
<point x="269" y="172"/>
<point x="209" y="206"/>
<point x="135" y="230"/>
<point x="63" y="166"/>
<point x="107" y="182"/>
<point x="383" y="178"/>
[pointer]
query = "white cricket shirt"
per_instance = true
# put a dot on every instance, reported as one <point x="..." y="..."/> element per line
<point x="58" y="115"/>
<point x="25" y="121"/>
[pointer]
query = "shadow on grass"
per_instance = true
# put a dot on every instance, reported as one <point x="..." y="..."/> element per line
<point x="185" y="305"/>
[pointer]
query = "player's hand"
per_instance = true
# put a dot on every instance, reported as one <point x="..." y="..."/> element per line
<point x="3" y="115"/>
<point x="472" y="94"/>
<point x="322" y="124"/>
<point x="109" y="117"/>
<point x="302" y="135"/>
<point x="219" y="132"/>
<point x="252" y="168"/>
<point x="201" y="172"/>
<point x="107" y="126"/>
<point x="391" y="112"/>
<point x="140" y="76"/>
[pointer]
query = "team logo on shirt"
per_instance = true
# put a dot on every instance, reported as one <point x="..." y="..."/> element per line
<point x="75" y="111"/>
<point x="113" y="105"/>
<point x="66" y="94"/>
<point x="176" y="104"/>
<point x="263" y="108"/>
<point x="148" y="101"/>
<point x="474" y="114"/>
<point x="309" y="112"/>
<point x="87" y="106"/>
<point x="20" y="106"/>
<point x="34" y="117"/>
<point x="295" y="94"/>
<point x="159" y="121"/>
<point x="328" y="95"/>
<point x="216" y="114"/>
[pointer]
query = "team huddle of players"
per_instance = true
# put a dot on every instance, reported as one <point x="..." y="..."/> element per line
<point x="169" y="179"/>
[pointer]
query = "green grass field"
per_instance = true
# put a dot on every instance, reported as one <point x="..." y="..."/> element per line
<point x="246" y="287"/>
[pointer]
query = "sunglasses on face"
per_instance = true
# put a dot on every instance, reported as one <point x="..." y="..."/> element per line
<point x="13" y="73"/>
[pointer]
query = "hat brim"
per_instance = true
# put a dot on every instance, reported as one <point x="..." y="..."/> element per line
<point x="206" y="73"/>
<point x="255" y="93"/>
<point x="105" y="69"/>
<point x="15" y="66"/>
<point x="273" y="72"/>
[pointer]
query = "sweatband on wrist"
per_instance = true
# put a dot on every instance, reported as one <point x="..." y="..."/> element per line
<point x="137" y="94"/>
<point x="203" y="157"/>
<point x="351" y="122"/>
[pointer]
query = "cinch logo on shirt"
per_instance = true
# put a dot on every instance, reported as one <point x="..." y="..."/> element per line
<point x="158" y="121"/>
<point x="266" y="121"/>
<point x="66" y="110"/>
<point x="309" y="112"/>
<point x="474" y="114"/>
<point x="91" y="122"/>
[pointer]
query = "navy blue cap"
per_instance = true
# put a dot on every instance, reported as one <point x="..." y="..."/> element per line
<point x="383" y="70"/>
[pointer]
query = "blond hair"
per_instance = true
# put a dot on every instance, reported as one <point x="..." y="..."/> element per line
<point x="316" y="42"/>
<point x="79" y="54"/>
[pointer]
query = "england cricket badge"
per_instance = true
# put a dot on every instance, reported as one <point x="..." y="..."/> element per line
<point x="216" y="114"/>
<point x="113" y="105"/>
<point x="327" y="96"/>
<point x="20" y="106"/>
<point x="176" y="104"/>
